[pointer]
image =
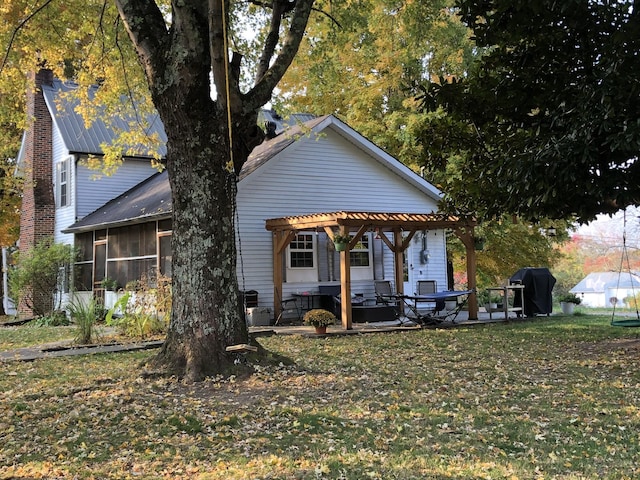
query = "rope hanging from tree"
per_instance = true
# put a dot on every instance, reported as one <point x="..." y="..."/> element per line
<point x="230" y="164"/>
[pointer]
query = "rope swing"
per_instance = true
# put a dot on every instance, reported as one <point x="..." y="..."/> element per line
<point x="625" y="322"/>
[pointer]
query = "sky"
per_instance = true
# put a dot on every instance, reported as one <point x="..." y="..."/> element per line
<point x="610" y="230"/>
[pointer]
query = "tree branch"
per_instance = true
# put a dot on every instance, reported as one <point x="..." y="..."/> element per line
<point x="271" y="42"/>
<point x="146" y="27"/>
<point x="263" y="89"/>
<point x="15" y="32"/>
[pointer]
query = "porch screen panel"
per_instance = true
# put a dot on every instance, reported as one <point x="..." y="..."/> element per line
<point x="125" y="271"/>
<point x="83" y="269"/>
<point x="132" y="241"/>
<point x="100" y="262"/>
<point x="164" y="263"/>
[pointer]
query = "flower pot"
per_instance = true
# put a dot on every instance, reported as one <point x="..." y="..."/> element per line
<point x="340" y="246"/>
<point x="567" y="307"/>
<point x="491" y="307"/>
<point x="321" y="330"/>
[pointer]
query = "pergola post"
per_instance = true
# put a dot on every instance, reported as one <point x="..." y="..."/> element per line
<point x="345" y="284"/>
<point x="281" y="239"/>
<point x="398" y="261"/>
<point x="466" y="237"/>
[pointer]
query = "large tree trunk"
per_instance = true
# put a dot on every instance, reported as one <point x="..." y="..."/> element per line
<point x="206" y="315"/>
<point x="178" y="62"/>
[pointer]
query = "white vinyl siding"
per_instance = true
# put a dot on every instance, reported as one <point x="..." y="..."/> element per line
<point x="95" y="189"/>
<point x="65" y="215"/>
<point x="322" y="174"/>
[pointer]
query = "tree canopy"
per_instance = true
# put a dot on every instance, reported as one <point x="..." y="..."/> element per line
<point x="547" y="124"/>
<point x="190" y="65"/>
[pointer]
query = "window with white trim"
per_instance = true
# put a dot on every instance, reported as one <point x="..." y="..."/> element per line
<point x="63" y="183"/>
<point x="361" y="259"/>
<point x="301" y="258"/>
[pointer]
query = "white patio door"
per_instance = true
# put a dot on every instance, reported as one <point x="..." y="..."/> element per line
<point x="409" y="280"/>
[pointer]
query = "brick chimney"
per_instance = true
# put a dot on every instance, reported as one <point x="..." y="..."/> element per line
<point x="38" y="203"/>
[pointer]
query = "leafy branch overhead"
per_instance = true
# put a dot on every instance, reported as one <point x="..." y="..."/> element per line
<point x="546" y="123"/>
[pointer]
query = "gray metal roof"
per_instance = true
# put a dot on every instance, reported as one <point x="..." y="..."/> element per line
<point x="149" y="200"/>
<point x="152" y="198"/>
<point x="80" y="139"/>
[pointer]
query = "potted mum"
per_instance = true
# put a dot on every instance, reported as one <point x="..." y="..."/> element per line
<point x="568" y="303"/>
<point x="319" y="319"/>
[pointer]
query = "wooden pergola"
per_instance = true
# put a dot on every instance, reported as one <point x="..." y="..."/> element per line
<point x="357" y="224"/>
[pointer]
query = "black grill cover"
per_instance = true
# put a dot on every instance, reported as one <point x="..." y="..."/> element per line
<point x="538" y="283"/>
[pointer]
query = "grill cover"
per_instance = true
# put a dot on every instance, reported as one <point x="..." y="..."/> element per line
<point x="538" y="284"/>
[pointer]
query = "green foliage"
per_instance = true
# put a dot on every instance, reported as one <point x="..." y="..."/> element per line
<point x="570" y="298"/>
<point x="546" y="122"/>
<point x="109" y="284"/>
<point x="363" y="64"/>
<point x="56" y="318"/>
<point x="84" y="316"/>
<point x="40" y="274"/>
<point x="509" y="246"/>
<point x="145" y="311"/>
<point x="119" y="306"/>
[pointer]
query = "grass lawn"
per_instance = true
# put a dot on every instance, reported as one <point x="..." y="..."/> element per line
<point x="550" y="398"/>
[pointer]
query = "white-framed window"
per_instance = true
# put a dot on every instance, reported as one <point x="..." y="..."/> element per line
<point x="361" y="259"/>
<point x="63" y="182"/>
<point x="301" y="258"/>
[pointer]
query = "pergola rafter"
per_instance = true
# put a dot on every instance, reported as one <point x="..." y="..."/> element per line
<point x="357" y="224"/>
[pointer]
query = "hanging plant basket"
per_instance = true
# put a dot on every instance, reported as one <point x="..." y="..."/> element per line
<point x="340" y="246"/>
<point x="340" y="242"/>
<point x="478" y="243"/>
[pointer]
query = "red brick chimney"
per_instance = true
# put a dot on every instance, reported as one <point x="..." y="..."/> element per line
<point x="38" y="203"/>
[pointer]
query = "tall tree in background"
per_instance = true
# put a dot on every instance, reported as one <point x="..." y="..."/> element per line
<point x="365" y="64"/>
<point x="181" y="47"/>
<point x="550" y="116"/>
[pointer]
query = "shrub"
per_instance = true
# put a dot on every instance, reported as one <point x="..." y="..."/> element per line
<point x="40" y="275"/>
<point x="146" y="310"/>
<point x="570" y="298"/>
<point x="57" y="318"/>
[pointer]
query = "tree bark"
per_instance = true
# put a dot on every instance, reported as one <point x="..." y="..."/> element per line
<point x="206" y="315"/>
<point x="203" y="161"/>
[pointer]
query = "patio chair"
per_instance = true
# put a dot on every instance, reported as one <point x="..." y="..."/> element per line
<point x="426" y="287"/>
<point x="384" y="293"/>
<point x="288" y="305"/>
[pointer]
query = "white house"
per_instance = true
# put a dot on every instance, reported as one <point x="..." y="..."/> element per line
<point x="604" y="289"/>
<point x="122" y="223"/>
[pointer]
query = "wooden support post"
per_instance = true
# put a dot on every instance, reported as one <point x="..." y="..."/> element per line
<point x="398" y="261"/>
<point x="345" y="285"/>
<point x="277" y="273"/>
<point x="466" y="236"/>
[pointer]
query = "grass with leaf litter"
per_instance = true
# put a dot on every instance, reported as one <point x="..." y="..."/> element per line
<point x="548" y="398"/>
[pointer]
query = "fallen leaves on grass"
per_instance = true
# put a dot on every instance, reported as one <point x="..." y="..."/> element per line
<point x="505" y="402"/>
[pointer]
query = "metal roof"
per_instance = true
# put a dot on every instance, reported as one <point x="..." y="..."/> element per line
<point x="79" y="138"/>
<point x="149" y="200"/>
